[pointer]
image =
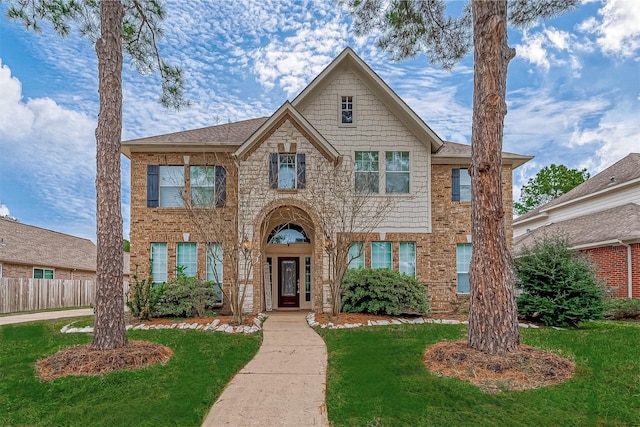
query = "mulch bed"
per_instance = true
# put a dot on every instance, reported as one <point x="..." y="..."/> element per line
<point x="525" y="368"/>
<point x="82" y="360"/>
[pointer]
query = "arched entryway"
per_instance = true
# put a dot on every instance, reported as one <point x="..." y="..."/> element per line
<point x="290" y="271"/>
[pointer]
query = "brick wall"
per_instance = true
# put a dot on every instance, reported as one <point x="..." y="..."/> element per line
<point x="612" y="268"/>
<point x="21" y="271"/>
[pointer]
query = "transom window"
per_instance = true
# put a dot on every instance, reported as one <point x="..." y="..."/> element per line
<point x="367" y="172"/>
<point x="171" y="186"/>
<point x="288" y="233"/>
<point x="346" y="110"/>
<point x="397" y="167"/>
<point x="42" y="273"/>
<point x="202" y="180"/>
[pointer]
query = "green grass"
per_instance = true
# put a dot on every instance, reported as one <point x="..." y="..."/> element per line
<point x="179" y="393"/>
<point x="376" y="378"/>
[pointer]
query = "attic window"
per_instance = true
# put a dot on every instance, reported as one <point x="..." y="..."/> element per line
<point x="346" y="110"/>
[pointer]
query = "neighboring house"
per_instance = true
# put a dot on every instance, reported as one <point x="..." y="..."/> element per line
<point x="600" y="217"/>
<point x="32" y="252"/>
<point x="263" y="168"/>
<point x="29" y="252"/>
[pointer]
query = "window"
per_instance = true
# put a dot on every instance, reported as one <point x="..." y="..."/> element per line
<point x="0" y="270"/>
<point x="356" y="256"/>
<point x="463" y="259"/>
<point x="408" y="258"/>
<point x="42" y="273"/>
<point x="287" y="171"/>
<point x="159" y="262"/>
<point x="346" y="110"/>
<point x="288" y="233"/>
<point x="202" y="180"/>
<point x="367" y="172"/>
<point x="171" y="186"/>
<point x="460" y="185"/>
<point x="397" y="172"/>
<point x="187" y="259"/>
<point x="214" y="267"/>
<point x="381" y="255"/>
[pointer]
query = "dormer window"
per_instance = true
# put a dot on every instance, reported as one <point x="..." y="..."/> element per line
<point x="346" y="110"/>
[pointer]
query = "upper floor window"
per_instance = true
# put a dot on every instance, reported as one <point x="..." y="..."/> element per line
<point x="202" y="181"/>
<point x="171" y="186"/>
<point x="42" y="273"/>
<point x="397" y="172"/>
<point x="367" y="178"/>
<point x="346" y="110"/>
<point x="355" y="256"/>
<point x="166" y="186"/>
<point x="460" y="185"/>
<point x="159" y="262"/>
<point x="287" y="171"/>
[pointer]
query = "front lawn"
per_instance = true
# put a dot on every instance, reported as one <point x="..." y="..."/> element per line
<point x="179" y="393"/>
<point x="376" y="377"/>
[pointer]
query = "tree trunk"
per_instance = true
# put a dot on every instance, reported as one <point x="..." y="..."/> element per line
<point x="493" y="321"/>
<point x="109" y="328"/>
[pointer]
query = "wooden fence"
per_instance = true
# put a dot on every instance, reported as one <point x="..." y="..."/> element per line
<point x="43" y="294"/>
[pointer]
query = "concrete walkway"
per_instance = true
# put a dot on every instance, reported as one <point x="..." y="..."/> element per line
<point x="284" y="384"/>
<point x="44" y="315"/>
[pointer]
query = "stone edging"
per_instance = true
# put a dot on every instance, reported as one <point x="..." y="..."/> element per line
<point x="311" y="320"/>
<point x="214" y="326"/>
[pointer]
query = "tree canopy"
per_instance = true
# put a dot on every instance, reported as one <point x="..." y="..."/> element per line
<point x="550" y="182"/>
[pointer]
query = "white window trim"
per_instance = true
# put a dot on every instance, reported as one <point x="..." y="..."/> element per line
<point x="166" y="261"/>
<point x="187" y="245"/>
<point x="390" y="245"/>
<point x="380" y="173"/>
<point x="353" y="111"/>
<point x="160" y="186"/>
<point x="197" y="203"/>
<point x="415" y="254"/>
<point x="458" y="271"/>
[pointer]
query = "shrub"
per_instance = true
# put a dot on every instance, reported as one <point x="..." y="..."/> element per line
<point x="188" y="297"/>
<point x="382" y="292"/>
<point x="143" y="298"/>
<point x="622" y="308"/>
<point x="557" y="285"/>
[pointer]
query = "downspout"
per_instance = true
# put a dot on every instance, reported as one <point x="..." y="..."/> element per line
<point x="629" y="272"/>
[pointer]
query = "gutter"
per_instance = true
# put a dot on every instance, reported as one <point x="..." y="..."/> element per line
<point x="629" y="270"/>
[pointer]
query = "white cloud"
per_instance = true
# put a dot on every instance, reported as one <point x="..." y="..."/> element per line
<point x="618" y="32"/>
<point x="550" y="47"/>
<point x="533" y="51"/>
<point x="50" y="150"/>
<point x="4" y="210"/>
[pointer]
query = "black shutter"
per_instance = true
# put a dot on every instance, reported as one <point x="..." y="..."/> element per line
<point x="301" y="169"/>
<point x="455" y="185"/>
<point x="273" y="170"/>
<point x="221" y="186"/>
<point x="152" y="186"/>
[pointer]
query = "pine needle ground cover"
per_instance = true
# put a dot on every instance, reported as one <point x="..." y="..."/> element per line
<point x="377" y="377"/>
<point x="178" y="393"/>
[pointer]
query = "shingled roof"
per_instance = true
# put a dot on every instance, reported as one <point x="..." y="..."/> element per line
<point x="618" y="223"/>
<point x="30" y="245"/>
<point x="454" y="152"/>
<point x="230" y="135"/>
<point x="616" y="175"/>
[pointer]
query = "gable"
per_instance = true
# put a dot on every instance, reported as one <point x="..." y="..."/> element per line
<point x="350" y="63"/>
<point x="287" y="113"/>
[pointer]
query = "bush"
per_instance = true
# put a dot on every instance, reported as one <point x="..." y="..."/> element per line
<point x="557" y="285"/>
<point x="382" y="292"/>
<point x="188" y="297"/>
<point x="143" y="298"/>
<point x="621" y="308"/>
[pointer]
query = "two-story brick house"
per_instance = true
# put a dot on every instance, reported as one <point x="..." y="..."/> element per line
<point x="257" y="175"/>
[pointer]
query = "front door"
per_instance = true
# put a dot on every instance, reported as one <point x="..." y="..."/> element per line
<point x="289" y="280"/>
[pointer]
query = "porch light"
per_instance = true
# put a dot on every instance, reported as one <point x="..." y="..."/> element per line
<point x="246" y="245"/>
<point x="328" y="244"/>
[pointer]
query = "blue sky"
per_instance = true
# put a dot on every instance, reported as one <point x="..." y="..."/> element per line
<point x="573" y="92"/>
